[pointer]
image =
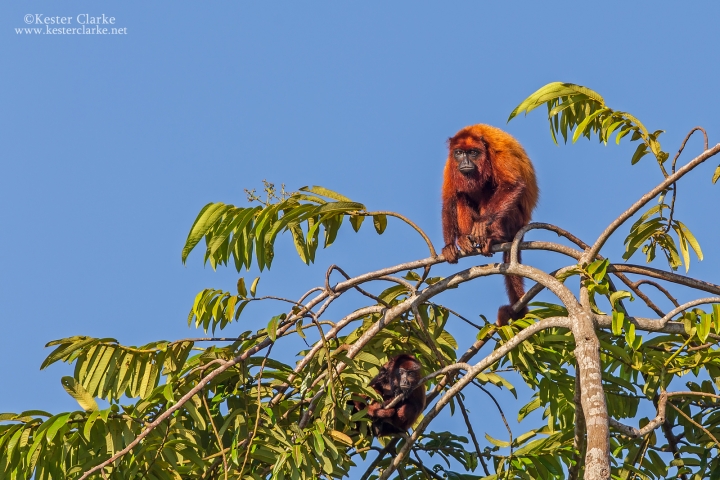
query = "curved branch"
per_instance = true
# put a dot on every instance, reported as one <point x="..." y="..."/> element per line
<point x="656" y="422"/>
<point x="635" y="287"/>
<point x="533" y="226"/>
<point x="409" y="222"/>
<point x="331" y="291"/>
<point x="595" y="249"/>
<point x="682" y="146"/>
<point x="669" y="296"/>
<point x="685" y="306"/>
<point x="674" y="185"/>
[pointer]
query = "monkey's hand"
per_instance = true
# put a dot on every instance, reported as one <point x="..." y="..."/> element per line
<point x="481" y="236"/>
<point x="450" y="252"/>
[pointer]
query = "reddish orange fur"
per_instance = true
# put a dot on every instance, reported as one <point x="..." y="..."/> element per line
<point x="491" y="204"/>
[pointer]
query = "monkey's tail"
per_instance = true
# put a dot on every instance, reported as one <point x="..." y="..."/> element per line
<point x="515" y="287"/>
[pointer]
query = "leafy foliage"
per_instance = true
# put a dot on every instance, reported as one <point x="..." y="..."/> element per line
<point x="573" y="106"/>
<point x="235" y="233"/>
<point x="232" y="409"/>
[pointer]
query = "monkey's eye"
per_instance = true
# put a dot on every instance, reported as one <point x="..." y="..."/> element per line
<point x="473" y="153"/>
<point x="459" y="153"/>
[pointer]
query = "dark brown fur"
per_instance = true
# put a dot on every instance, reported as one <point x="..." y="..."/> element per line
<point x="490" y="204"/>
<point x="400" y="375"/>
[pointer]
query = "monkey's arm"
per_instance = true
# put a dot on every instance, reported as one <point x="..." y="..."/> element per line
<point x="376" y="410"/>
<point x="450" y="229"/>
<point x="458" y="220"/>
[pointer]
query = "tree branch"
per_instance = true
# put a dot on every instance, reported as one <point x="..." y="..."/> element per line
<point x="471" y="432"/>
<point x="595" y="249"/>
<point x="633" y="432"/>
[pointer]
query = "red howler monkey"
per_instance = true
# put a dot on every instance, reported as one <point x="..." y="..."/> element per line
<point x="399" y="376"/>
<point x="489" y="192"/>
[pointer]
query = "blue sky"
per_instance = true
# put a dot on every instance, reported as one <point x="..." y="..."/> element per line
<point x="111" y="144"/>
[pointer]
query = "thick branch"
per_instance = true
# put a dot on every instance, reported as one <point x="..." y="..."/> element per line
<point x="667" y="276"/>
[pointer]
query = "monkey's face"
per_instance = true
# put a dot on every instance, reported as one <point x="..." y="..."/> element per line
<point x="468" y="153"/>
<point x="407" y="379"/>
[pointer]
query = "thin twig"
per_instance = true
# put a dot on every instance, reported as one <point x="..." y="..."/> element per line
<point x="502" y="415"/>
<point x="717" y="444"/>
<point x="418" y="229"/>
<point x="659" y="287"/>
<point x="217" y="435"/>
<point x="422" y="466"/>
<point x="337" y="292"/>
<point x="458" y="315"/>
<point x="674" y="186"/>
<point x="471" y="432"/>
<point x="636" y="290"/>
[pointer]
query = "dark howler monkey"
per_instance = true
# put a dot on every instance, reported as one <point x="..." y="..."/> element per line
<point x="399" y="376"/>
<point x="489" y="192"/>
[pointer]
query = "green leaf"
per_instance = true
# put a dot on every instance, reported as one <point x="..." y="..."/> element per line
<point x="253" y="287"/>
<point x="341" y="437"/>
<point x="57" y="423"/>
<point x="326" y="193"/>
<point x="319" y="443"/>
<point x="691" y="239"/>
<point x="619" y="295"/>
<point x="703" y="327"/>
<point x="242" y="291"/>
<point x="640" y="152"/>
<point x="617" y="322"/>
<point x="496" y="442"/>
<point x="86" y="401"/>
<point x="583" y="125"/>
<point x="272" y="327"/>
<point x="207" y="217"/>
<point x="630" y="334"/>
<point x="356" y="221"/>
<point x="87" y="429"/>
<point x="380" y="222"/>
<point x="67" y="346"/>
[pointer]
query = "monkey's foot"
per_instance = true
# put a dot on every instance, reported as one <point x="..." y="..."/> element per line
<point x="450" y="252"/>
